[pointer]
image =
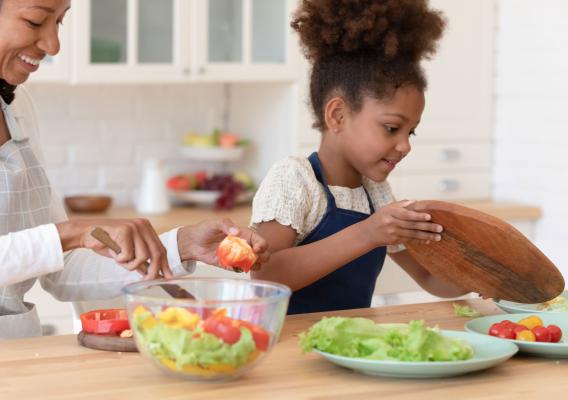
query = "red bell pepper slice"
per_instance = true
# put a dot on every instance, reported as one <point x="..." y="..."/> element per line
<point x="105" y="322"/>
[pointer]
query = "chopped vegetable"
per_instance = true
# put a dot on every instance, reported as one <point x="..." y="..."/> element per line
<point x="105" y="322"/>
<point x="465" y="311"/>
<point x="528" y="329"/>
<point x="234" y="252"/>
<point x="362" y="338"/>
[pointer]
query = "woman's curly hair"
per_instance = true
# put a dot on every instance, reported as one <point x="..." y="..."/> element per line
<point x="365" y="47"/>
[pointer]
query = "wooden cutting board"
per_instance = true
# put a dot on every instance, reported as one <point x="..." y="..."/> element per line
<point x="107" y="343"/>
<point x="483" y="254"/>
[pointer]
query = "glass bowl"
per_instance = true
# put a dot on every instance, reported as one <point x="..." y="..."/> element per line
<point x="230" y="326"/>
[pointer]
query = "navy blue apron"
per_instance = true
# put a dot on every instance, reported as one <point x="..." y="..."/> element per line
<point x="350" y="286"/>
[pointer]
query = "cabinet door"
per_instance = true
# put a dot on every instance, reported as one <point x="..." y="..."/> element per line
<point x="131" y="40"/>
<point x="244" y="40"/>
<point x="58" y="68"/>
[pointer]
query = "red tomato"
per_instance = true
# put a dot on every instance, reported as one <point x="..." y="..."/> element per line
<point x="236" y="253"/>
<point x="541" y="334"/>
<point x="495" y="329"/>
<point x="260" y="336"/>
<point x="507" y="333"/>
<point x="519" y="328"/>
<point x="105" y="322"/>
<point x="225" y="328"/>
<point x="555" y="333"/>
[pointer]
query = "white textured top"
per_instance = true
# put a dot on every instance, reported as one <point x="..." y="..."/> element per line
<point x="291" y="195"/>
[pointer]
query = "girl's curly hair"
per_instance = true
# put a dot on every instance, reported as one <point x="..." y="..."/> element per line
<point x="365" y="47"/>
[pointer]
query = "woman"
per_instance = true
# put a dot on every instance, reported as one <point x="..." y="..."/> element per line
<point x="36" y="239"/>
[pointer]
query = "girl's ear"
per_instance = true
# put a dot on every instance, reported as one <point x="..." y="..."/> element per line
<point x="334" y="114"/>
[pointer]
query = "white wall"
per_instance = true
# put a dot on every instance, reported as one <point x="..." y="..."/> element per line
<point x="531" y="116"/>
<point x="95" y="138"/>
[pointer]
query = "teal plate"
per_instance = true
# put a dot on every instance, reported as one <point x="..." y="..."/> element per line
<point x="552" y="350"/>
<point x="512" y="307"/>
<point x="489" y="351"/>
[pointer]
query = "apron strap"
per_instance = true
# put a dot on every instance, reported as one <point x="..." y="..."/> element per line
<point x="318" y="171"/>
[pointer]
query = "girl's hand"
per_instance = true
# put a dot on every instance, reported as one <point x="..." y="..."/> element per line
<point x="200" y="242"/>
<point x="136" y="238"/>
<point x="398" y="223"/>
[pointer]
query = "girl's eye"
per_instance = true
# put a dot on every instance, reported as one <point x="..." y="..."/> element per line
<point x="412" y="133"/>
<point x="391" y="129"/>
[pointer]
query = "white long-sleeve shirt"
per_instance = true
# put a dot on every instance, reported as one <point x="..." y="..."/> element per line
<point x="30" y="247"/>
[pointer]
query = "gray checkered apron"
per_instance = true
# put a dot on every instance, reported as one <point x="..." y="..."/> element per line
<point x="25" y="198"/>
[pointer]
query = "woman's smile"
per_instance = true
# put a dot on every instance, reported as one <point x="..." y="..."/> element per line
<point x="30" y="64"/>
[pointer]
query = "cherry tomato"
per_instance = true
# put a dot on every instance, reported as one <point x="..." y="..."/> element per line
<point x="507" y="333"/>
<point x="555" y="333"/>
<point x="495" y="329"/>
<point x="531" y="322"/>
<point x="520" y="328"/>
<point x="541" y="334"/>
<point x="105" y="322"/>
<point x="526" y="336"/>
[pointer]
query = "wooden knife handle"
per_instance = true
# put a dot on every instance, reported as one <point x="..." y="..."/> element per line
<point x="176" y="291"/>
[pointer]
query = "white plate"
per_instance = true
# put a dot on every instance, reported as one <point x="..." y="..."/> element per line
<point x="205" y="197"/>
<point x="212" y="153"/>
<point x="512" y="307"/>
<point x="489" y="351"/>
<point x="553" y="350"/>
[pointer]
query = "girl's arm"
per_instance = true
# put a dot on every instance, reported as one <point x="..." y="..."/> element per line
<point x="425" y="279"/>
<point x="300" y="266"/>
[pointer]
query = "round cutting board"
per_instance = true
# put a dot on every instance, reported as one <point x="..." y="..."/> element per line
<point x="483" y="254"/>
<point x="108" y="343"/>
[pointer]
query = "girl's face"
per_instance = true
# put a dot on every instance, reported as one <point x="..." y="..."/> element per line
<point x="29" y="31"/>
<point x="375" y="139"/>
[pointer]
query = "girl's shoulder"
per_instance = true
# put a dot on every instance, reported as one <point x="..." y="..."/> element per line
<point x="293" y="168"/>
<point x="380" y="192"/>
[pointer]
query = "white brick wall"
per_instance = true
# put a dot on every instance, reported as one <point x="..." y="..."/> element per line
<point x="531" y="118"/>
<point x="96" y="137"/>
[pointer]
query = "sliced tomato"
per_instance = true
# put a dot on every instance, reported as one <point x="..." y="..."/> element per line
<point x="225" y="328"/>
<point x="105" y="322"/>
<point x="260" y="336"/>
<point x="235" y="252"/>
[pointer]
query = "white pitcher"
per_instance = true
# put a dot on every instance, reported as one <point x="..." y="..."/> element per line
<point x="152" y="195"/>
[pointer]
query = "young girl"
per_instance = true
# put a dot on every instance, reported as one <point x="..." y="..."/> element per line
<point x="329" y="219"/>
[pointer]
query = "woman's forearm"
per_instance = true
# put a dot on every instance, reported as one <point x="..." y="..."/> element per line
<point x="300" y="266"/>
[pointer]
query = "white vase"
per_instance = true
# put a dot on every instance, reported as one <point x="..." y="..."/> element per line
<point x="152" y="194"/>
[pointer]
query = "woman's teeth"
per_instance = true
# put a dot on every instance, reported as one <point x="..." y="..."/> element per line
<point x="29" y="60"/>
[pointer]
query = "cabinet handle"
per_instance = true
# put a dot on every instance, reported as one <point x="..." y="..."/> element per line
<point x="186" y="71"/>
<point x="450" y="154"/>
<point x="448" y="186"/>
<point x="201" y="70"/>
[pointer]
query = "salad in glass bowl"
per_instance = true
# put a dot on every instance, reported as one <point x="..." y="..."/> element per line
<point x="228" y="328"/>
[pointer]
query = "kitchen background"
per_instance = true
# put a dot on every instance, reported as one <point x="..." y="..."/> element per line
<point x="135" y="76"/>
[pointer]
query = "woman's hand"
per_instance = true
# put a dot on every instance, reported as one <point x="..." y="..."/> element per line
<point x="136" y="238"/>
<point x="200" y="242"/>
<point x="398" y="223"/>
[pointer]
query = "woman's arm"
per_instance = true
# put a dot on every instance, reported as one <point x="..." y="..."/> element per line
<point x="425" y="279"/>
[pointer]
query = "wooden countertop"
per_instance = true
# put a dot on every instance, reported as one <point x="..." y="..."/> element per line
<point x="55" y="368"/>
<point x="179" y="216"/>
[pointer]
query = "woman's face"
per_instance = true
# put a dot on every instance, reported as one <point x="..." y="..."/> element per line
<point x="29" y="31"/>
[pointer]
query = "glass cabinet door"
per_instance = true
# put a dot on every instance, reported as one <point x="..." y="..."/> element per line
<point x="225" y="33"/>
<point x="156" y="31"/>
<point x="109" y="31"/>
<point x="133" y="40"/>
<point x="269" y="24"/>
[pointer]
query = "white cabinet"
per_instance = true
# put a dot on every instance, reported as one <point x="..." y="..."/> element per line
<point x="153" y="41"/>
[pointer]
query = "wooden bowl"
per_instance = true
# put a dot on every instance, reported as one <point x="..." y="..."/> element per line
<point x="88" y="203"/>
